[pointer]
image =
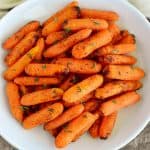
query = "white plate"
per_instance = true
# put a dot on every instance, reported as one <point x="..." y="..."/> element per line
<point x="130" y="121"/>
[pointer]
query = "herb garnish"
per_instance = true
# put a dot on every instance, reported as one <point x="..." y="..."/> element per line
<point x="44" y="66"/>
<point x="36" y="79"/>
<point x="78" y="89"/>
<point x="96" y="23"/>
<point x="29" y="55"/>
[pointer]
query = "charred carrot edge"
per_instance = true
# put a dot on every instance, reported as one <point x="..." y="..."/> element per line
<point x="116" y="87"/>
<point x="56" y="23"/>
<point x="107" y="125"/>
<point x="16" y="37"/>
<point x="41" y="45"/>
<point x="70" y="81"/>
<point x="67" y="43"/>
<point x="54" y="132"/>
<point x="36" y="69"/>
<point x="55" y="37"/>
<point x="123" y="72"/>
<point x="85" y="48"/>
<point x="84" y="66"/>
<point x="69" y="132"/>
<point x="17" y="68"/>
<point x="41" y="96"/>
<point x="44" y="115"/>
<point x="119" y="102"/>
<point x="21" y="48"/>
<point x="23" y="89"/>
<point x="101" y="14"/>
<point x="72" y="4"/>
<point x="117" y="59"/>
<point x="65" y="117"/>
<point x="25" y="80"/>
<point x="13" y="95"/>
<point x="116" y="49"/>
<point x="78" y="91"/>
<point x="94" y="130"/>
<point x="91" y="105"/>
<point x="81" y="101"/>
<point x="78" y="24"/>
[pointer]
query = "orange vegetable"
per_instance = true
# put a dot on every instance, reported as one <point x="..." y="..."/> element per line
<point x="42" y="116"/>
<point x="70" y="81"/>
<point x="65" y="117"/>
<point x="17" y="68"/>
<point x="25" y="80"/>
<point x="41" y="96"/>
<point x="119" y="102"/>
<point x="101" y="14"/>
<point x="23" y="90"/>
<point x="116" y="49"/>
<point x="84" y="66"/>
<point x="116" y="87"/>
<point x="117" y="59"/>
<point x="74" y="128"/>
<point x="78" y="24"/>
<point x="67" y="43"/>
<point x="94" y="130"/>
<point x="21" y="48"/>
<point x="12" y="92"/>
<point x="107" y="125"/>
<point x="91" y="105"/>
<point x="41" y="45"/>
<point x="57" y="14"/>
<point x="78" y="91"/>
<point x="85" y="48"/>
<point x="58" y="20"/>
<point x="55" y="37"/>
<point x="123" y="72"/>
<point x="16" y="37"/>
<point x="35" y="69"/>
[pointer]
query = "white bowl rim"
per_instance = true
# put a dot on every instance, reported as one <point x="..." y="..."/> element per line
<point x="147" y="120"/>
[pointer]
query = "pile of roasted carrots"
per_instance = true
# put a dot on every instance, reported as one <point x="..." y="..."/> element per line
<point x="71" y="74"/>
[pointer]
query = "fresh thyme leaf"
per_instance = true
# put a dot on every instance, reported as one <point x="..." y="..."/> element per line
<point x="96" y="23"/>
<point x="36" y="79"/>
<point x="68" y="64"/>
<point x="51" y="110"/>
<point x="67" y="30"/>
<point x="44" y="66"/>
<point x="93" y="65"/>
<point x="24" y="108"/>
<point x="115" y="51"/>
<point x="29" y="55"/>
<point x="54" y="93"/>
<point x="78" y="89"/>
<point x="114" y="101"/>
<point x="74" y="79"/>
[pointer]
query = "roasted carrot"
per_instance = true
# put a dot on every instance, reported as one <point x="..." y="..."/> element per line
<point x="17" y="68"/>
<point x="56" y="23"/>
<point x="67" y="43"/>
<point x="23" y="90"/>
<point x="41" y="96"/>
<point x="52" y="18"/>
<point x="116" y="87"/>
<point x="74" y="128"/>
<point x="107" y="125"/>
<point x="85" y="23"/>
<point x="82" y="100"/>
<point x="114" y="29"/>
<point x="54" y="132"/>
<point x="91" y="105"/>
<point x="16" y="37"/>
<point x="129" y="39"/>
<point x="117" y="59"/>
<point x="55" y="37"/>
<point x="13" y="95"/>
<point x="119" y="102"/>
<point x="41" y="45"/>
<point x="25" y="80"/>
<point x="21" y="48"/>
<point x="42" y="116"/>
<point x="79" y="90"/>
<point x="35" y="69"/>
<point x="101" y="14"/>
<point x="70" y="81"/>
<point x="94" y="130"/>
<point x="116" y="49"/>
<point x="123" y="72"/>
<point x="65" y="117"/>
<point x="85" y="48"/>
<point x="83" y="66"/>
